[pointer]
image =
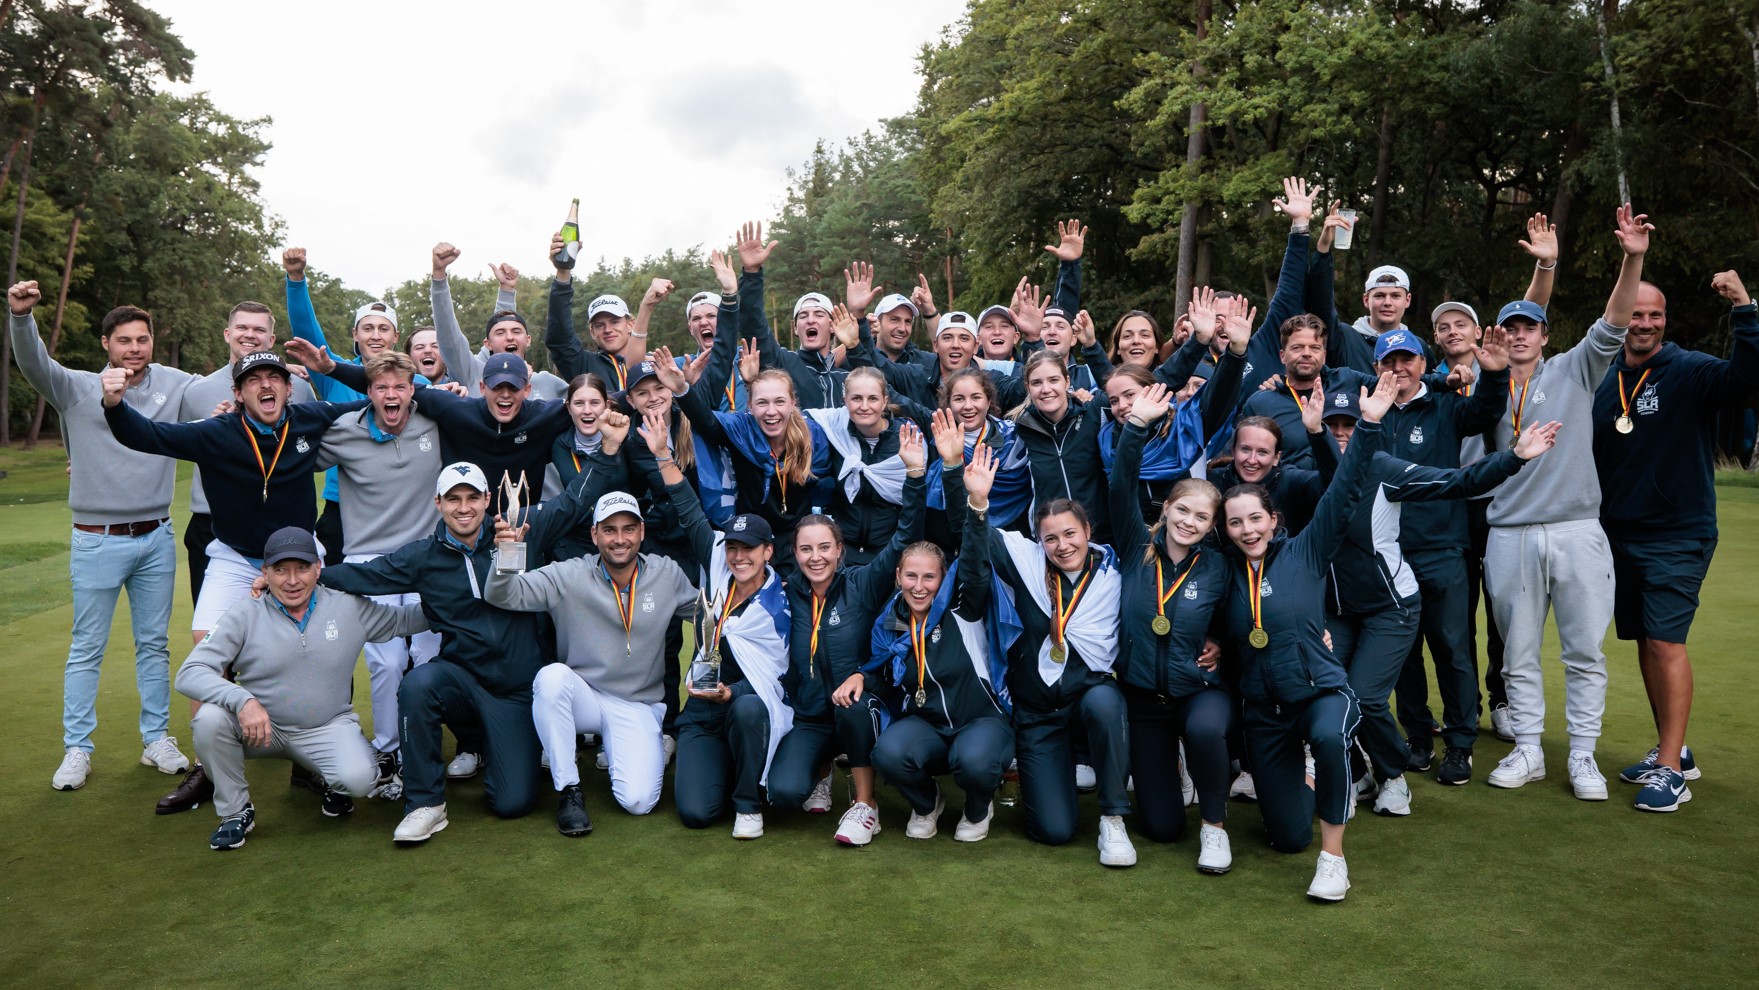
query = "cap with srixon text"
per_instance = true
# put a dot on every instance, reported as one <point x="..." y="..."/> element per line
<point x="258" y="359"/>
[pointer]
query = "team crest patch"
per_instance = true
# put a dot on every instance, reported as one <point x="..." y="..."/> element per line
<point x="302" y="446"/>
<point x="1648" y="403"/>
<point x="739" y="525"/>
<point x="424" y="444"/>
<point x="520" y="437"/>
<point x="1264" y="589"/>
<point x="647" y="603"/>
<point x="1341" y="400"/>
<point x="1539" y="397"/>
<point x="159" y="398"/>
<point x="1416" y="433"/>
<point x="836" y="620"/>
<point x="1191" y="593"/>
<point x="330" y="631"/>
<point x="935" y="637"/>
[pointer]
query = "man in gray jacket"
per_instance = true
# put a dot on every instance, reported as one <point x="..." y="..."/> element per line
<point x="592" y="599"/>
<point x="292" y="654"/>
<point x="1546" y="550"/>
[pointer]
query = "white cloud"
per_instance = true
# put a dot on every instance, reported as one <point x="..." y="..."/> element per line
<point x="397" y="125"/>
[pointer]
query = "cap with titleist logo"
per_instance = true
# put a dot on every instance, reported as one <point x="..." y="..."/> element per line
<point x="1397" y="340"/>
<point x="613" y="305"/>
<point x="258" y="359"/>
<point x="505" y="369"/>
<point x="611" y="503"/>
<point x="376" y="308"/>
<point x="290" y="543"/>
<point x="461" y="473"/>
<point x="1387" y="277"/>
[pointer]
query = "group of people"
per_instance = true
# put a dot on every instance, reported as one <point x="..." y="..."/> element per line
<point x="1173" y="567"/>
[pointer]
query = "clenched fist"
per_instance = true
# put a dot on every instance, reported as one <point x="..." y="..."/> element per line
<point x="21" y="297"/>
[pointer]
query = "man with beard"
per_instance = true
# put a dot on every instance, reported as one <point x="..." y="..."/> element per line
<point x="424" y="347"/>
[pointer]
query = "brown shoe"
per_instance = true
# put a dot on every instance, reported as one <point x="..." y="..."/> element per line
<point x="189" y="795"/>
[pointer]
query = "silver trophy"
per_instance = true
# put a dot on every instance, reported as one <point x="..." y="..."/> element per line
<point x="510" y="557"/>
<point x="705" y="669"/>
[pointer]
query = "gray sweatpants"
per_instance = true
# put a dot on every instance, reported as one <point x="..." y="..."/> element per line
<point x="336" y="751"/>
<point x="1565" y="568"/>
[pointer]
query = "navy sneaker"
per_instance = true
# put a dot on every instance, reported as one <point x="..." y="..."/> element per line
<point x="1638" y="773"/>
<point x="1456" y="766"/>
<point x="1422" y="752"/>
<point x="232" y="830"/>
<point x="1663" y="790"/>
<point x="337" y="804"/>
<point x="571" y="817"/>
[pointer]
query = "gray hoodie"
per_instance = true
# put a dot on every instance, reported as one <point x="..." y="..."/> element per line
<point x="1562" y="486"/>
<point x="386" y="482"/>
<point x="111" y="483"/>
<point x="578" y="595"/>
<point x="199" y="401"/>
<point x="304" y="677"/>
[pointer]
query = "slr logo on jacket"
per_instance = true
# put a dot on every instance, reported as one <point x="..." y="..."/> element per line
<point x="1416" y="433"/>
<point x="1263" y="588"/>
<point x="424" y="444"/>
<point x="1191" y="593"/>
<point x="935" y="637"/>
<point x="302" y="446"/>
<point x="520" y="438"/>
<point x="330" y="631"/>
<point x="1648" y="403"/>
<point x="1539" y="397"/>
<point x="647" y="603"/>
<point x="836" y="620"/>
<point x="159" y="398"/>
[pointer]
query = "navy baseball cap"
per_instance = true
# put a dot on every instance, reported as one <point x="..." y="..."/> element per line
<point x="258" y="359"/>
<point x="290" y="543"/>
<point x="1396" y="340"/>
<point x="750" y="530"/>
<point x="1342" y="403"/>
<point x="1522" y="308"/>
<point x="640" y="372"/>
<point x="505" y="369"/>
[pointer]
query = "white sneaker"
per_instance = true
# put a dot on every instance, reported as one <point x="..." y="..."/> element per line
<point x="421" y="824"/>
<point x="925" y="826"/>
<point x="1311" y="768"/>
<point x="1187" y="789"/>
<point x="968" y="831"/>
<point x="1502" y="723"/>
<point x="463" y="765"/>
<point x="859" y="825"/>
<point x="819" y="801"/>
<point x="75" y="765"/>
<point x="1085" y="778"/>
<point x="1330" y="880"/>
<point x="1524" y="764"/>
<point x="670" y="745"/>
<point x="163" y="755"/>
<point x="748" y="826"/>
<point x="603" y="759"/>
<point x="1243" y="789"/>
<point x="1215" y="854"/>
<point x="1395" y="798"/>
<point x="1114" y="842"/>
<point x="1365" y="786"/>
<point x="1585" y="777"/>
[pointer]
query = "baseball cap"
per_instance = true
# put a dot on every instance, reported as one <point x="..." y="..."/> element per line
<point x="1001" y="311"/>
<point x="461" y="473"/>
<point x="1521" y="307"/>
<point x="749" y="530"/>
<point x="640" y="372"/>
<point x="611" y="503"/>
<point x="607" y="304"/>
<point x="703" y="299"/>
<point x="376" y="308"/>
<point x="290" y="543"/>
<point x="258" y="359"/>
<point x="1396" y="340"/>
<point x="1387" y="276"/>
<point x="811" y="300"/>
<point x="1342" y="403"/>
<point x="1058" y="311"/>
<point x="894" y="301"/>
<point x="957" y="318"/>
<point x="505" y="369"/>
<point x="1453" y="307"/>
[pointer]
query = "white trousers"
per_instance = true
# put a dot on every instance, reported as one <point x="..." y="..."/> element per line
<point x="1564" y="568"/>
<point x="386" y="662"/>
<point x="564" y="705"/>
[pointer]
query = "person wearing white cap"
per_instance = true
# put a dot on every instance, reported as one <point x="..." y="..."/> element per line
<point x="818" y="381"/>
<point x="702" y="320"/>
<point x="506" y="332"/>
<point x="894" y="321"/>
<point x="592" y="689"/>
<point x="612" y="329"/>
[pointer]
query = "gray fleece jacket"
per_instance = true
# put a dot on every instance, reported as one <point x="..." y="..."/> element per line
<point x="111" y="483"/>
<point x="302" y="673"/>
<point x="386" y="481"/>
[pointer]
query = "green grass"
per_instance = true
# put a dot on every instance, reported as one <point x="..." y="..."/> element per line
<point x="1478" y="888"/>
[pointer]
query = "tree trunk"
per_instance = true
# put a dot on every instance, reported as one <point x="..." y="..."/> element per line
<point x="1750" y="28"/>
<point x="1566" y="194"/>
<point x="24" y="184"/>
<point x="1603" y="14"/>
<point x="30" y="440"/>
<point x="6" y="166"/>
<point x="1383" y="176"/>
<point x="1183" y="281"/>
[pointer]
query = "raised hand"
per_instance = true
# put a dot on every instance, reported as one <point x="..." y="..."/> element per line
<point x="658" y="435"/>
<point x="115" y="382"/>
<point x="1085" y="334"/>
<point x="506" y="275"/>
<point x="859" y="291"/>
<point x="1297" y="200"/>
<point x="614" y="428"/>
<point x="1541" y="240"/>
<point x="750" y="361"/>
<point x="444" y="255"/>
<point x="293" y="263"/>
<point x="1633" y="231"/>
<point x="844" y="326"/>
<point x="980" y="475"/>
<point x="668" y="372"/>
<point x="1328" y="230"/>
<point x="22" y="296"/>
<point x="1727" y="285"/>
<point x="312" y="356"/>
<point x="657" y="291"/>
<point x="694" y="366"/>
<point x="1537" y="440"/>
<point x="922" y="297"/>
<point x="753" y="251"/>
<point x="1204" y="314"/>
<point x="1071" y="241"/>
<point x="722" y="266"/>
<point x="1181" y="330"/>
<point x="1238" y="314"/>
<point x="949" y="438"/>
<point x="1493" y="350"/>
<point x="1151" y="404"/>
<point x="911" y="450"/>
<point x="1313" y="407"/>
<point x="1375" y="404"/>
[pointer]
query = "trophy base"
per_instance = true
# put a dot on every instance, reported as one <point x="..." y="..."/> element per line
<point x="510" y="558"/>
<point x="705" y="677"/>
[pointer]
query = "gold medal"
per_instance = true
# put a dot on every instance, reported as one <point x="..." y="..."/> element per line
<point x="1623" y="424"/>
<point x="1162" y="626"/>
<point x="1258" y="638"/>
<point x="921" y="697"/>
<point x="1058" y="654"/>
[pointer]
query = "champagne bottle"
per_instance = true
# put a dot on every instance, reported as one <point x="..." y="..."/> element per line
<point x="570" y="238"/>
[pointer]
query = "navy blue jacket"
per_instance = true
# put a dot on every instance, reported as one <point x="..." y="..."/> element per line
<point x="1065" y="462"/>
<point x="1427" y="431"/>
<point x="1657" y="481"/>
<point x="1279" y="404"/>
<point x="1263" y="354"/>
<point x="569" y="356"/>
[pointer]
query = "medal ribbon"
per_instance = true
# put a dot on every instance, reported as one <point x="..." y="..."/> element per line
<point x="1065" y="614"/>
<point x="919" y="646"/>
<point x="1160" y="581"/>
<point x="1520" y="406"/>
<point x="626" y="613"/>
<point x="725" y="612"/>
<point x="732" y="400"/>
<point x="1256" y="578"/>
<point x="267" y="472"/>
<point x="1624" y="399"/>
<point x="818" y="609"/>
<point x="622" y="371"/>
<point x="1293" y="394"/>
<point x="782" y="479"/>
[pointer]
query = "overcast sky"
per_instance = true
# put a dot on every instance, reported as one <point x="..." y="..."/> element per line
<point x="399" y="124"/>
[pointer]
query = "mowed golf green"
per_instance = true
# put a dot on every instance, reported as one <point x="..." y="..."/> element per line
<point x="1478" y="888"/>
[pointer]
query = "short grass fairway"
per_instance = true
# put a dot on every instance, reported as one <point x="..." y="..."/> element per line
<point x="1479" y="888"/>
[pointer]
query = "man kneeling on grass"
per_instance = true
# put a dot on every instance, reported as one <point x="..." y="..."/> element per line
<point x="292" y="654"/>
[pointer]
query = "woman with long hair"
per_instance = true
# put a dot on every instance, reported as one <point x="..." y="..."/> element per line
<point x="1061" y="434"/>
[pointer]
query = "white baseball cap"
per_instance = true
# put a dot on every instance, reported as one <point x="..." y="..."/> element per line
<point x="703" y="299"/>
<point x="1454" y="307"/>
<point x="376" y="308"/>
<point x="607" y="304"/>
<point x="1387" y="276"/>
<point x="957" y="318"/>
<point x="611" y="503"/>
<point x="461" y="473"/>
<point x="894" y="301"/>
<point x="813" y="300"/>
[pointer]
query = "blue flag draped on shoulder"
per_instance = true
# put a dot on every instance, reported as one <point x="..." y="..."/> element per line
<point x="1001" y="627"/>
<point x="1012" y="493"/>
<point x="1164" y="457"/>
<point x="750" y="443"/>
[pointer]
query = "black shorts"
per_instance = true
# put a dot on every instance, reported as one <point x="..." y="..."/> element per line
<point x="1658" y="582"/>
